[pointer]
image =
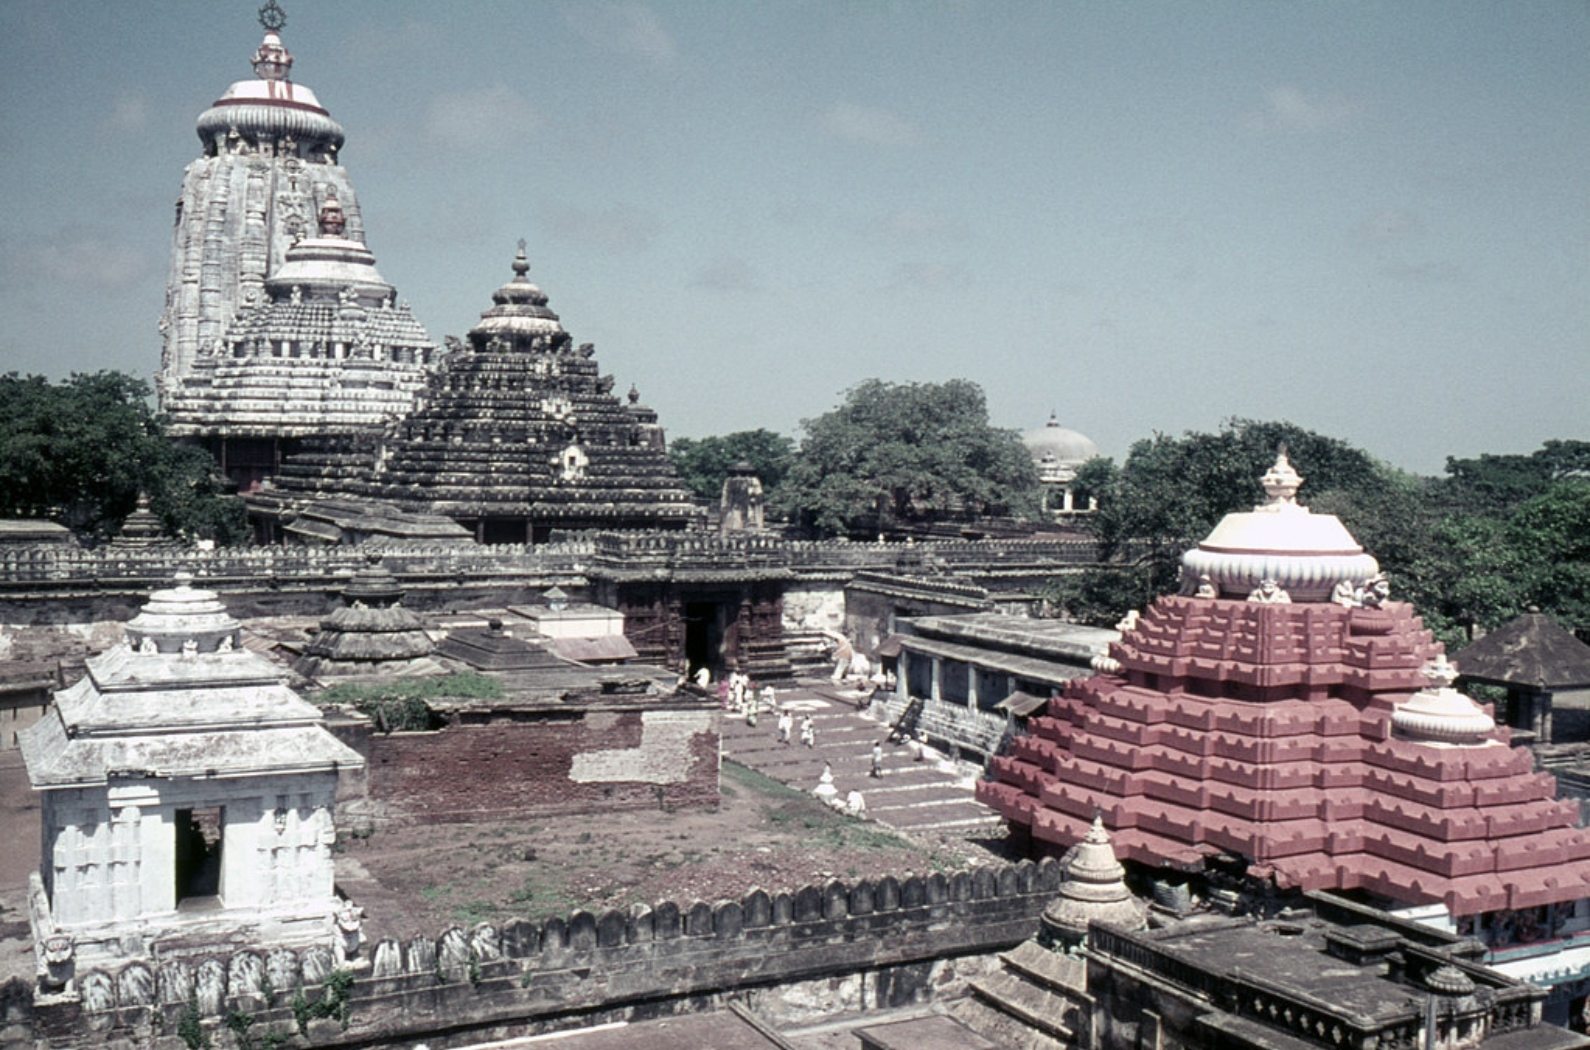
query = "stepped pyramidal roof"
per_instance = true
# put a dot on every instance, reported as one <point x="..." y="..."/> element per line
<point x="1284" y="711"/>
<point x="517" y="432"/>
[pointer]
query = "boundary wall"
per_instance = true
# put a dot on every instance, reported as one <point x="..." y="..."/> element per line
<point x="890" y="938"/>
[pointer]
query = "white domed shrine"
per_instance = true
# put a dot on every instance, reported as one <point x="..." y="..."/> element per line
<point x="1058" y="452"/>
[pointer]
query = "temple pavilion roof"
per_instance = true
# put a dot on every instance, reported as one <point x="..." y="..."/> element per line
<point x="180" y="696"/>
<point x="1532" y="651"/>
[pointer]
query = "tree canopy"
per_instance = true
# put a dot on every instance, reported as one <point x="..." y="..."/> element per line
<point x="900" y="454"/>
<point x="80" y="452"/>
<point x="703" y="463"/>
<point x="1499" y="534"/>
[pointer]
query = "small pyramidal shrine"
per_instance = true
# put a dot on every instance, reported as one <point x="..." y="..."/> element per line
<point x="186" y="795"/>
<point x="1284" y="712"/>
<point x="518" y="434"/>
<point x="277" y="326"/>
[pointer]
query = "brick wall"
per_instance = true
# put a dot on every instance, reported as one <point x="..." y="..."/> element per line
<point x="511" y="763"/>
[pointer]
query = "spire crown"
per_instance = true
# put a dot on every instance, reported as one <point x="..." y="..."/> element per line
<point x="272" y="61"/>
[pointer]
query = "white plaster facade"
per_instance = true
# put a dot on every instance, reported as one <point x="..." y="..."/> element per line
<point x="177" y="736"/>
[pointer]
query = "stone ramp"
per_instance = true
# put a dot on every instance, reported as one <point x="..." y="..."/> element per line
<point x="931" y="795"/>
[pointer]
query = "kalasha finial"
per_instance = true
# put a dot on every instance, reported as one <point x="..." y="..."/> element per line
<point x="1440" y="672"/>
<point x="521" y="265"/>
<point x="271" y="61"/>
<point x="1280" y="482"/>
<point x="272" y="17"/>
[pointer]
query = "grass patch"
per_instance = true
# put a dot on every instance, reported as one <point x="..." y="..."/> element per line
<point x="401" y="705"/>
<point x="540" y="898"/>
<point x="758" y="783"/>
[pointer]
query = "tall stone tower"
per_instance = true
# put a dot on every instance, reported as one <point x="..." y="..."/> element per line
<point x="277" y="326"/>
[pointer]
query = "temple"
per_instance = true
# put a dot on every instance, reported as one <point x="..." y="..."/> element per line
<point x="519" y="434"/>
<point x="187" y="794"/>
<point x="1281" y="715"/>
<point x="277" y="326"/>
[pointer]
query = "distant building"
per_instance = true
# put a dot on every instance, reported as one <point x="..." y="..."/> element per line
<point x="277" y="326"/>
<point x="1058" y="453"/>
<point x="519" y="434"/>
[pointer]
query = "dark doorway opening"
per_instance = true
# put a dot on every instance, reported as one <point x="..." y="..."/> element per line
<point x="704" y="637"/>
<point x="199" y="838"/>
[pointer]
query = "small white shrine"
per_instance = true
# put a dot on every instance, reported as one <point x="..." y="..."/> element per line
<point x="187" y="796"/>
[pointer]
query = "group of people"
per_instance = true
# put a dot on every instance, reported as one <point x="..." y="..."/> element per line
<point x="786" y="726"/>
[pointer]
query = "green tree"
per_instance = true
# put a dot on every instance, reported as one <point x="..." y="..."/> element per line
<point x="703" y="463"/>
<point x="902" y="454"/>
<point x="1498" y="484"/>
<point x="79" y="452"/>
<point x="1171" y="491"/>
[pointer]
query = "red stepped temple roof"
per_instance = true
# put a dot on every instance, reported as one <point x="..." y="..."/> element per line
<point x="1271" y="729"/>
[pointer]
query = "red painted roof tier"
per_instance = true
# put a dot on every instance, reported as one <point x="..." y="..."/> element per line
<point x="1265" y="730"/>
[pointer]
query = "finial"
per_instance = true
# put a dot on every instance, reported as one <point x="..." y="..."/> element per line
<point x="271" y="61"/>
<point x="1280" y="482"/>
<point x="521" y="265"/>
<point x="272" y="17"/>
<point x="1440" y="672"/>
<point x="634" y="395"/>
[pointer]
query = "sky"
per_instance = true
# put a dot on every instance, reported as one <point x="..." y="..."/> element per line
<point x="1369" y="219"/>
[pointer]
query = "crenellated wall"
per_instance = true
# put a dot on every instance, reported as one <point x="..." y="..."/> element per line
<point x="866" y="945"/>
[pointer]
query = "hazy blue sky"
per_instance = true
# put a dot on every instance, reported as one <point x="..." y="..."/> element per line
<point x="1372" y="219"/>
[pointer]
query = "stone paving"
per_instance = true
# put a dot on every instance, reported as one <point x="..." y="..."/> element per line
<point x="931" y="795"/>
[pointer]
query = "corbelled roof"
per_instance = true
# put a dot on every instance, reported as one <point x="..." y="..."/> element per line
<point x="1532" y="651"/>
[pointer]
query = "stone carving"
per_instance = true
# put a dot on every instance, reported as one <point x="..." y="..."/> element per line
<point x="347" y="924"/>
<point x="455" y="955"/>
<point x="135" y="985"/>
<point x="58" y="955"/>
<point x="318" y="963"/>
<point x="1269" y="592"/>
<point x="1376" y="592"/>
<point x="485" y="942"/>
<point x="246" y="974"/>
<point x="176" y="981"/>
<point x="209" y="985"/>
<point x="1128" y="622"/>
<point x="281" y="969"/>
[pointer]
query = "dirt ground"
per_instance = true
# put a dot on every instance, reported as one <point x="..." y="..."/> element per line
<point x="422" y="878"/>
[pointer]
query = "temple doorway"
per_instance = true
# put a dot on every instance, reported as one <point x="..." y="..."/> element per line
<point x="704" y="626"/>
<point x="198" y="867"/>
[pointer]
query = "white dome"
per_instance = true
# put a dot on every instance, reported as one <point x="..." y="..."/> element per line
<point x="1306" y="554"/>
<point x="1066" y="447"/>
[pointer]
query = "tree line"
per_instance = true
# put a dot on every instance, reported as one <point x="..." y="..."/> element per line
<point x="1492" y="537"/>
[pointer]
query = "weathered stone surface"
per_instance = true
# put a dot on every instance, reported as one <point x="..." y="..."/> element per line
<point x="584" y="459"/>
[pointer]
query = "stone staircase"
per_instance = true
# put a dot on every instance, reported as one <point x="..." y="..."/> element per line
<point x="933" y="795"/>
